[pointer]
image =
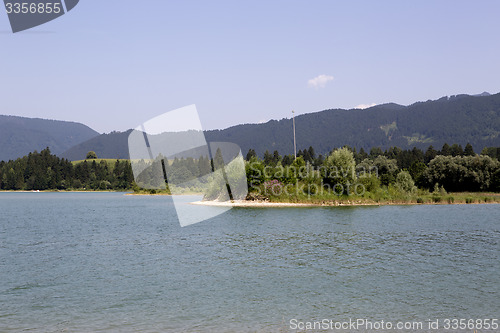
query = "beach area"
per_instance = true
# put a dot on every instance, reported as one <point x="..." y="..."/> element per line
<point x="268" y="204"/>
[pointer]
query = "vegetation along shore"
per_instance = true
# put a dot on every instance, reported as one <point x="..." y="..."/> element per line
<point x="344" y="176"/>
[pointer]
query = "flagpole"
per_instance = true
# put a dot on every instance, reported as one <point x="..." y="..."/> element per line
<point x="294" y="142"/>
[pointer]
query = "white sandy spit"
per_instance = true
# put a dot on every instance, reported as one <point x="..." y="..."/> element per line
<point x="245" y="203"/>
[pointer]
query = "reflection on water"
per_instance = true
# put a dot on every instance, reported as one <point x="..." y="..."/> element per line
<point x="105" y="261"/>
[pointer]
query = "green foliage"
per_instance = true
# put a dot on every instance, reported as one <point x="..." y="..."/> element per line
<point x="405" y="183"/>
<point x="382" y="178"/>
<point x="268" y="158"/>
<point x="91" y="155"/>
<point x="446" y="150"/>
<point x="371" y="182"/>
<point x="234" y="174"/>
<point x="416" y="171"/>
<point x="495" y="181"/>
<point x="493" y="152"/>
<point x="218" y="161"/>
<point x="299" y="162"/>
<point x="436" y="198"/>
<point x="340" y="169"/>
<point x="456" y="150"/>
<point x="430" y="153"/>
<point x="251" y="153"/>
<point x="255" y="172"/>
<point x="469" y="151"/>
<point x="215" y="187"/>
<point x="287" y="160"/>
<point x="44" y="171"/>
<point x="468" y="173"/>
<point x="460" y="119"/>
<point x="384" y="167"/>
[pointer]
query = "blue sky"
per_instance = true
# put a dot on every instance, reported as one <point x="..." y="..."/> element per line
<point x="113" y="64"/>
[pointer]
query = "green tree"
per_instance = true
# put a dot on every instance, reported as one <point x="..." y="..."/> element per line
<point x="276" y="158"/>
<point x="469" y="151"/>
<point x="218" y="160"/>
<point x="287" y="160"/>
<point x="445" y="150"/>
<point x="312" y="153"/>
<point x="91" y="155"/>
<point x="298" y="168"/>
<point x="255" y="172"/>
<point x="204" y="166"/>
<point x="467" y="173"/>
<point x="268" y="158"/>
<point x="375" y="152"/>
<point x="340" y="169"/>
<point x="386" y="169"/>
<point x="361" y="155"/>
<point x="430" y="153"/>
<point x="405" y="183"/>
<point x="11" y="180"/>
<point x="456" y="150"/>
<point x="251" y="153"/>
<point x="416" y="170"/>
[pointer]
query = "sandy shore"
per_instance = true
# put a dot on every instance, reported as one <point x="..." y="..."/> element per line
<point x="263" y="204"/>
<point x="245" y="203"/>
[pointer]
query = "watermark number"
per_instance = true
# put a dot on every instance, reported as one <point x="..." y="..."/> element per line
<point x="33" y="8"/>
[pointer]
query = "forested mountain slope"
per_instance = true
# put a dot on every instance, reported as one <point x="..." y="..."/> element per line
<point x="19" y="136"/>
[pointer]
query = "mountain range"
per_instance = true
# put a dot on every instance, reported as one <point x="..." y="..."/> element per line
<point x="457" y="119"/>
<point x="20" y="136"/>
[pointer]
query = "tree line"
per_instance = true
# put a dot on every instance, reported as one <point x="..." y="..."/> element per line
<point x="453" y="167"/>
<point x="44" y="171"/>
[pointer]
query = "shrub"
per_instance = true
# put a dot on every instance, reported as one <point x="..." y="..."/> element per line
<point x="340" y="168"/>
<point x="370" y="182"/>
<point x="420" y="200"/>
<point x="273" y="187"/>
<point x="405" y="183"/>
<point x="462" y="173"/>
<point x="469" y="200"/>
<point x="450" y="200"/>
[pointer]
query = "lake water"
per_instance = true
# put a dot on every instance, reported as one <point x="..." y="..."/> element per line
<point x="82" y="262"/>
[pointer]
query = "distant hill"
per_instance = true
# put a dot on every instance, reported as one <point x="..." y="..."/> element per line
<point x="20" y="136"/>
<point x="485" y="93"/>
<point x="112" y="145"/>
<point x="455" y="119"/>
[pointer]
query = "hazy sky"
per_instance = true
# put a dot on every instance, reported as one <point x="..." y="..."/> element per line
<point x="113" y="64"/>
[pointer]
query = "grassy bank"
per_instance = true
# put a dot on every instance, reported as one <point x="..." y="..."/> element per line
<point x="385" y="198"/>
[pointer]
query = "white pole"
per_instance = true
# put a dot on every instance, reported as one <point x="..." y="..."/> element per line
<point x="294" y="142"/>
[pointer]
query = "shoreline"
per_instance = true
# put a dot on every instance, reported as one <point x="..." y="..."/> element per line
<point x="267" y="204"/>
<point x="247" y="203"/>
<point x="63" y="191"/>
<point x="461" y="199"/>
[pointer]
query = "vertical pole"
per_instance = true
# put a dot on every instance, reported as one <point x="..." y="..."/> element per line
<point x="294" y="142"/>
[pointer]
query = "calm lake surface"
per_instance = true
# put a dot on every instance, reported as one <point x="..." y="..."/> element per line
<point x="83" y="262"/>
